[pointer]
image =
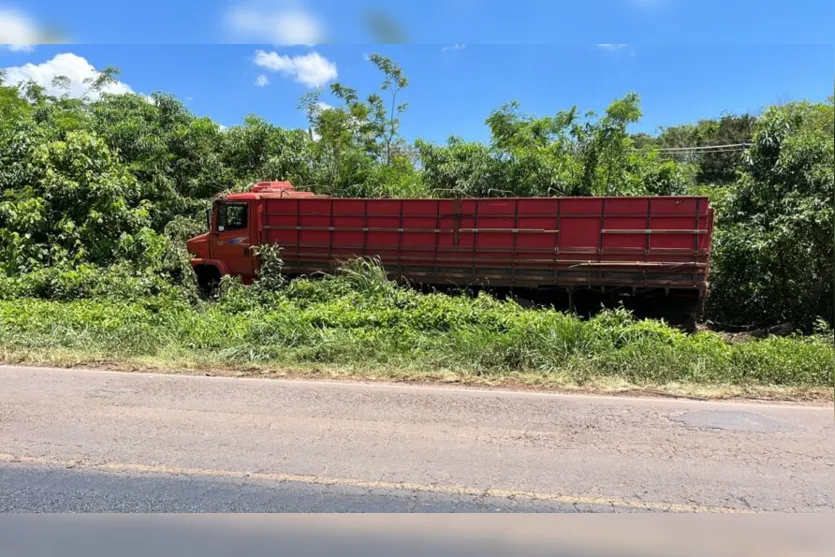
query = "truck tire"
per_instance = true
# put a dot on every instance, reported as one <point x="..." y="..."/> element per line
<point x="688" y="323"/>
<point x="208" y="280"/>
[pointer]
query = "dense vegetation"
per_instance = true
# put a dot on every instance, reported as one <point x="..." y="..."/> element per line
<point x="359" y="320"/>
<point x="98" y="194"/>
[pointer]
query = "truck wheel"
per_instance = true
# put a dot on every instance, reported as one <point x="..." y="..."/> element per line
<point x="689" y="323"/>
<point x="208" y="280"/>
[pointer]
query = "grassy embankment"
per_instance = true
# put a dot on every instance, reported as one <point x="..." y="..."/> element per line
<point x="360" y="325"/>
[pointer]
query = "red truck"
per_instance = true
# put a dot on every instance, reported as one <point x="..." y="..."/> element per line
<point x="651" y="253"/>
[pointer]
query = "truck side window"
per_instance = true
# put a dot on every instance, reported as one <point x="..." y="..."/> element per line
<point x="232" y="216"/>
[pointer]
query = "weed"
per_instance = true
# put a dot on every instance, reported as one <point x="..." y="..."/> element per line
<point x="360" y="320"/>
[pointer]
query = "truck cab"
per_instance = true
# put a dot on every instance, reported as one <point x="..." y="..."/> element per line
<point x="233" y="229"/>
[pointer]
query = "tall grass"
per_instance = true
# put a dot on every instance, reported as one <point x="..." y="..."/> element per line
<point x="358" y="318"/>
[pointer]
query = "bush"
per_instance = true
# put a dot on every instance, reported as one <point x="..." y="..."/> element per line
<point x="773" y="258"/>
<point x="270" y="277"/>
<point x="87" y="282"/>
<point x="359" y="318"/>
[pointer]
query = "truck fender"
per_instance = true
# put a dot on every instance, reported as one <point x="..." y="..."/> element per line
<point x="221" y="267"/>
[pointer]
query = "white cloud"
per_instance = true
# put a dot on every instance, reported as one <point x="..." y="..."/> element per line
<point x="290" y="25"/>
<point x="17" y="32"/>
<point x="323" y="105"/>
<point x="310" y="69"/>
<point x="612" y="46"/>
<point x="450" y="47"/>
<point x="262" y="81"/>
<point x="69" y="65"/>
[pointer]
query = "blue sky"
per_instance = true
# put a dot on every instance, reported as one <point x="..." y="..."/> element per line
<point x="448" y="21"/>
<point x="455" y="83"/>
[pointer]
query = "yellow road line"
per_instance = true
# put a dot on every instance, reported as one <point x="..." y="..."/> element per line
<point x="123" y="467"/>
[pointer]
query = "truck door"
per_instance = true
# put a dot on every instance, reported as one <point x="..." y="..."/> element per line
<point x="231" y="236"/>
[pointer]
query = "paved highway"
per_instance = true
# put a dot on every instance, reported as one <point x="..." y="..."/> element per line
<point x="26" y="488"/>
<point x="80" y="440"/>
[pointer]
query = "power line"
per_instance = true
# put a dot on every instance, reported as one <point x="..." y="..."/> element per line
<point x="725" y="147"/>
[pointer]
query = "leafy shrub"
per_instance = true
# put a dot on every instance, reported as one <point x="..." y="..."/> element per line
<point x="773" y="248"/>
<point x="359" y="318"/>
<point x="87" y="282"/>
<point x="270" y="277"/>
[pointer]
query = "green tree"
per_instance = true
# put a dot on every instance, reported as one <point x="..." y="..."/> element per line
<point x="13" y="108"/>
<point x="460" y="169"/>
<point x="564" y="154"/>
<point x="388" y="123"/>
<point x="711" y="167"/>
<point x="357" y="148"/>
<point x="77" y="205"/>
<point x="773" y="251"/>
<point x="100" y="80"/>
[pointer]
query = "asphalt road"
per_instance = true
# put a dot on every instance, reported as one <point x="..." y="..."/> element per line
<point x="77" y="440"/>
<point x="50" y="489"/>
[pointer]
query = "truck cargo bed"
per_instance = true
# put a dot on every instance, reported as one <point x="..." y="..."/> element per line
<point x="658" y="242"/>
